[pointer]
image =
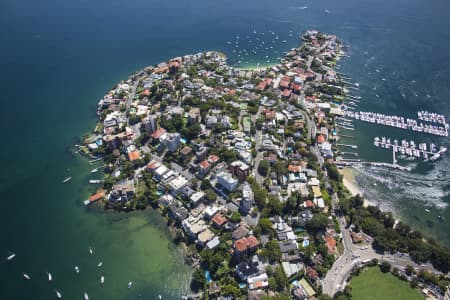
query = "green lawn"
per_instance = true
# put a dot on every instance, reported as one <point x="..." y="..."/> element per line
<point x="372" y="284"/>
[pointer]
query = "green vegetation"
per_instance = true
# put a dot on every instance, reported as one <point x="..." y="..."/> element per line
<point x="373" y="284"/>
<point x="379" y="225"/>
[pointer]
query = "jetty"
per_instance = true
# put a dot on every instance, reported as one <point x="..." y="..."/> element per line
<point x="410" y="148"/>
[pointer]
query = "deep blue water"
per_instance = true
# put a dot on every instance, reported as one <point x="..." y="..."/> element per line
<point x="59" y="57"/>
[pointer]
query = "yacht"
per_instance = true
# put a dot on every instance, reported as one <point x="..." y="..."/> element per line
<point x="26" y="276"/>
<point x="10" y="257"/>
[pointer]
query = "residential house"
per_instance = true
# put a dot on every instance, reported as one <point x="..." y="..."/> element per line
<point x="122" y="191"/>
<point x="246" y="245"/>
<point x="240" y="169"/>
<point x="227" y="181"/>
<point x="196" y="198"/>
<point x="194" y="115"/>
<point x="177" y="185"/>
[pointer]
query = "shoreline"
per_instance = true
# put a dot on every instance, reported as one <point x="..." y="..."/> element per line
<point x="349" y="181"/>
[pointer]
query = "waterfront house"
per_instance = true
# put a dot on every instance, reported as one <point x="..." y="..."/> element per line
<point x="204" y="237"/>
<point x="122" y="191"/>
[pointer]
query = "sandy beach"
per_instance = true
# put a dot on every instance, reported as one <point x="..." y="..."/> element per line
<point x="348" y="178"/>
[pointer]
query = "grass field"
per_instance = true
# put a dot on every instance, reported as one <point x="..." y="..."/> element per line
<point x="372" y="284"/>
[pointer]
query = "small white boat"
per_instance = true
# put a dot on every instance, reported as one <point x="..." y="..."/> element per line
<point x="91" y="251"/>
<point x="100" y="264"/>
<point x="94" y="170"/>
<point x="130" y="284"/>
<point x="10" y="257"/>
<point x="26" y="276"/>
<point x="58" y="295"/>
<point x="427" y="210"/>
<point x="77" y="270"/>
<point x="159" y="296"/>
<point x="67" y="179"/>
<point x="86" y="296"/>
<point x="102" y="279"/>
<point x="49" y="276"/>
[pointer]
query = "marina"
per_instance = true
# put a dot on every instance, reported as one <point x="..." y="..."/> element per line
<point x="406" y="123"/>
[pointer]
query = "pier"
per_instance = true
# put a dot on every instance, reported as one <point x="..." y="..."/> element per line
<point x="347" y="145"/>
<point x="410" y="148"/>
<point x="350" y="163"/>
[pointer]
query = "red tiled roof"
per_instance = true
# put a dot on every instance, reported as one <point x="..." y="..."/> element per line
<point x="96" y="197"/>
<point x="286" y="93"/>
<point x="309" y="203"/>
<point x="213" y="158"/>
<point x="205" y="164"/>
<point x="294" y="168"/>
<point x="219" y="220"/>
<point x="153" y="165"/>
<point x="158" y="133"/>
<point x="134" y="155"/>
<point x="270" y="114"/>
<point x="297" y="87"/>
<point x="245" y="243"/>
<point x="320" y="139"/>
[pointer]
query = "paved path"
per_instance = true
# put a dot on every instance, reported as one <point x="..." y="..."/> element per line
<point x="354" y="255"/>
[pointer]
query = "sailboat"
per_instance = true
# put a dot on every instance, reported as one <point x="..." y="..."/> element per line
<point x="58" y="295"/>
<point x="11" y="256"/>
<point x="102" y="279"/>
<point x="26" y="276"/>
<point x="49" y="276"/>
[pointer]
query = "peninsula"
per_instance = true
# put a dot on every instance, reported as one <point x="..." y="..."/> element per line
<point x="242" y="165"/>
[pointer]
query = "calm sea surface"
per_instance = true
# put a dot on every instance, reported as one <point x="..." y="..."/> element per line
<point x="58" y="58"/>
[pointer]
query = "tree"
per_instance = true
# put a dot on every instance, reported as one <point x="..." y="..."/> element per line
<point x="280" y="278"/>
<point x="317" y="223"/>
<point x="385" y="267"/>
<point x="205" y="184"/>
<point x="333" y="172"/>
<point x="263" y="167"/>
<point x="280" y="168"/>
<point x="235" y="217"/>
<point x="210" y="195"/>
<point x="271" y="251"/>
<point x="409" y="270"/>
<point x="198" y="280"/>
<point x="414" y="282"/>
<point x="265" y="226"/>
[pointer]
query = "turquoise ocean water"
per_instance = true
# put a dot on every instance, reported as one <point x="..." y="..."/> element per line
<point x="57" y="59"/>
